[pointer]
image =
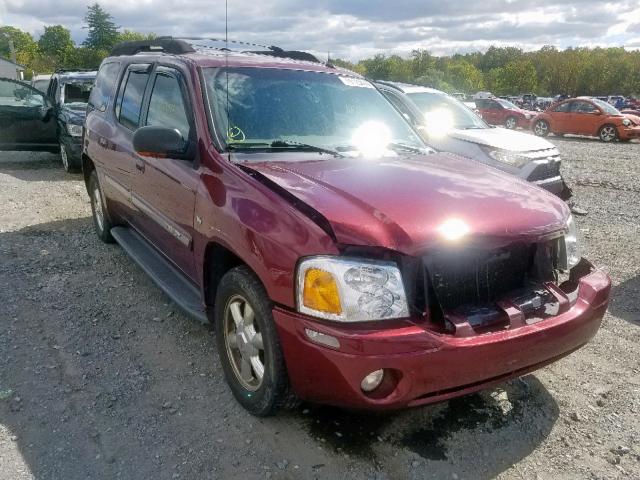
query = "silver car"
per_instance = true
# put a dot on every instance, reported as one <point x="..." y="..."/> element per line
<point x="448" y="125"/>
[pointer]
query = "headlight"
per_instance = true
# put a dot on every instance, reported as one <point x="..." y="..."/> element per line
<point x="74" y="130"/>
<point x="626" y="122"/>
<point x="350" y="290"/>
<point x="571" y="244"/>
<point x="507" y="156"/>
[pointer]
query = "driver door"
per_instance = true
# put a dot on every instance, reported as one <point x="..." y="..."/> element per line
<point x="586" y="117"/>
<point x="26" y="121"/>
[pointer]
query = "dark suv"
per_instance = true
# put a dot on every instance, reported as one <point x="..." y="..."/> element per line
<point x="68" y="93"/>
<point x="341" y="261"/>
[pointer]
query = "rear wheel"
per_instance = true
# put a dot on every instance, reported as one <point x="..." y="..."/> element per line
<point x="100" y="220"/>
<point x="608" y="133"/>
<point x="249" y="346"/>
<point x="541" y="128"/>
<point x="511" y="123"/>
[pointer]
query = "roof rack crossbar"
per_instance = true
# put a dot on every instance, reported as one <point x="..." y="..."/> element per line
<point x="161" y="44"/>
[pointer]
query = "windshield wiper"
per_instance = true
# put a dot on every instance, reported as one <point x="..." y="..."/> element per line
<point x="407" y="148"/>
<point x="282" y="144"/>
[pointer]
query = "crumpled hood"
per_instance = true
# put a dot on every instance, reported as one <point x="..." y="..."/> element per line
<point x="401" y="204"/>
<point x="503" y="138"/>
<point x="72" y="115"/>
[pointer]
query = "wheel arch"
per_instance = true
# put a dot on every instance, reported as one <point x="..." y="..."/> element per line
<point x="218" y="260"/>
<point x="87" y="167"/>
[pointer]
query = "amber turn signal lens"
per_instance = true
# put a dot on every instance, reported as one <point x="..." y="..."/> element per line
<point x="321" y="292"/>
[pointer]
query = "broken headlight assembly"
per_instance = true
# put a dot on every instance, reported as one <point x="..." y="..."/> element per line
<point x="74" y="130"/>
<point x="350" y="290"/>
<point x="506" y="156"/>
<point x="571" y="245"/>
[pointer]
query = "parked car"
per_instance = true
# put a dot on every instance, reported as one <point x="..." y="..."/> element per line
<point x="68" y="92"/>
<point x="340" y="262"/>
<point x="461" y="131"/>
<point x="497" y="111"/>
<point x="587" y="116"/>
<point x="41" y="82"/>
<point x="480" y="95"/>
<point x="630" y="111"/>
<point x="26" y="118"/>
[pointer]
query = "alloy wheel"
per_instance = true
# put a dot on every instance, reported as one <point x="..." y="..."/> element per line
<point x="608" y="133"/>
<point x="541" y="128"/>
<point x="243" y="340"/>
<point x="97" y="207"/>
<point x="64" y="157"/>
<point x="510" y="123"/>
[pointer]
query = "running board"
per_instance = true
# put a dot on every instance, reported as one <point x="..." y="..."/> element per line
<point x="166" y="276"/>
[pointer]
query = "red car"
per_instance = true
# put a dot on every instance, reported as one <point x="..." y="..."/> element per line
<point x="587" y="116"/>
<point x="497" y="111"/>
<point x="340" y="259"/>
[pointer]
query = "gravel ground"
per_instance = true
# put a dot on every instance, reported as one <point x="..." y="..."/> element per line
<point x="102" y="377"/>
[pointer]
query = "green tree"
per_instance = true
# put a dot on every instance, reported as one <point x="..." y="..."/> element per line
<point x="103" y="33"/>
<point x="130" y="35"/>
<point x="25" y="47"/>
<point x="56" y="47"/>
<point x="464" y="77"/>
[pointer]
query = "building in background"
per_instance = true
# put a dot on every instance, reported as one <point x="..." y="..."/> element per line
<point x="9" y="69"/>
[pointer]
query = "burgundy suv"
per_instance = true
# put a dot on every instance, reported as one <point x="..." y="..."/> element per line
<point x="340" y="259"/>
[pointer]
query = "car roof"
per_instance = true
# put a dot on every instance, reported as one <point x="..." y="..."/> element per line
<point x="409" y="88"/>
<point x="75" y="75"/>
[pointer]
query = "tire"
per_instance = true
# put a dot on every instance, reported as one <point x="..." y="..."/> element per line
<point x="101" y="222"/>
<point x="66" y="163"/>
<point x="608" y="133"/>
<point x="238" y="329"/>
<point x="541" y="128"/>
<point x="511" y="123"/>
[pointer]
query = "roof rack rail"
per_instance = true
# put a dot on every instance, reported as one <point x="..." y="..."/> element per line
<point x="65" y="70"/>
<point x="160" y="44"/>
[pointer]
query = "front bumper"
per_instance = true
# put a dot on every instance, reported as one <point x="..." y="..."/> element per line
<point x="628" y="133"/>
<point x="423" y="366"/>
<point x="524" y="123"/>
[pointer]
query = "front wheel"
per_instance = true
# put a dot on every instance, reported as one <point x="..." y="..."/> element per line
<point x="249" y="346"/>
<point x="541" y="128"/>
<point x="66" y="161"/>
<point x="608" y="133"/>
<point x="511" y="123"/>
<point x="101" y="222"/>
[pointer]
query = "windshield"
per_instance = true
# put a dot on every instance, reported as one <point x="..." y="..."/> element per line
<point x="271" y="108"/>
<point x="606" y="107"/>
<point x="507" y="104"/>
<point x="441" y="110"/>
<point x="76" y="94"/>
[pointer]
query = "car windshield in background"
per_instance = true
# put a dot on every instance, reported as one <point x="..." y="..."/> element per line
<point x="443" y="112"/>
<point x="606" y="107"/>
<point x="76" y="94"/>
<point x="507" y="104"/>
<point x="280" y="109"/>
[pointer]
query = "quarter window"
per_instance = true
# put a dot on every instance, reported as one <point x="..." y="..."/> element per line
<point x="166" y="106"/>
<point x="129" y="103"/>
<point x="103" y="87"/>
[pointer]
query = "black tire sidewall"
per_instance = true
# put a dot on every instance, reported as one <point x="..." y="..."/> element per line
<point x="265" y="400"/>
<point x="103" y="233"/>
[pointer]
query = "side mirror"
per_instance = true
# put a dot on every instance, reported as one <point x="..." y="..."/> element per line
<point x="160" y="142"/>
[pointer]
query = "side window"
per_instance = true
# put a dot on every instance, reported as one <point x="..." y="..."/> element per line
<point x="103" y="87"/>
<point x="16" y="94"/>
<point x="563" y="107"/>
<point x="166" y="106"/>
<point x="130" y="98"/>
<point x="583" y="107"/>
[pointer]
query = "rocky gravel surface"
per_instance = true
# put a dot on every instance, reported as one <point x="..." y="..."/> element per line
<point x="101" y="377"/>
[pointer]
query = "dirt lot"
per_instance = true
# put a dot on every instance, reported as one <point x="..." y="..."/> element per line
<point x="102" y="377"/>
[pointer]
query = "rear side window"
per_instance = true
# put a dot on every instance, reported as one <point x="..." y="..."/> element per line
<point x="104" y="85"/>
<point x="167" y="107"/>
<point x="563" y="107"/>
<point x="130" y="101"/>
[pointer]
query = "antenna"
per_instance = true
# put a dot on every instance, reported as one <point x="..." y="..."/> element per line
<point x="226" y="70"/>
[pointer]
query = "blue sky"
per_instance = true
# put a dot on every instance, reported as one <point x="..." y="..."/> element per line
<point x="355" y="29"/>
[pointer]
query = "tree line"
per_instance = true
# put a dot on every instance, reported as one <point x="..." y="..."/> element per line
<point x="56" y="49"/>
<point x="500" y="70"/>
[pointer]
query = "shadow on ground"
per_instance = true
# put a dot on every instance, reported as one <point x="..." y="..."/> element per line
<point x="624" y="300"/>
<point x="22" y="165"/>
<point x="102" y="377"/>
